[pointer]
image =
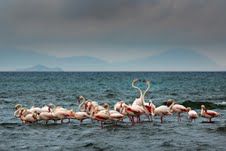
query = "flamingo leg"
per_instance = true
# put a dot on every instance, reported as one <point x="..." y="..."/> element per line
<point x="133" y="122"/>
<point x="101" y="123"/>
<point x="179" y="119"/>
<point x="130" y="118"/>
<point x="150" y="117"/>
<point x="138" y="119"/>
<point x="161" y="119"/>
<point x="210" y="120"/>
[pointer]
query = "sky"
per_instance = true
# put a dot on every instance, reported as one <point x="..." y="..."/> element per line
<point x="114" y="31"/>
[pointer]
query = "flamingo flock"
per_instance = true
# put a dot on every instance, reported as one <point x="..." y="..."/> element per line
<point x="89" y="109"/>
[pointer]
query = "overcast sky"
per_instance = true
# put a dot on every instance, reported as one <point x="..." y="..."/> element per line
<point x="116" y="30"/>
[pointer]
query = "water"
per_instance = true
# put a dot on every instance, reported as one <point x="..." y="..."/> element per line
<point x="39" y="89"/>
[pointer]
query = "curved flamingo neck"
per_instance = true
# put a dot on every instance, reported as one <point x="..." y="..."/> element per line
<point x="81" y="104"/>
<point x="149" y="86"/>
<point x="172" y="105"/>
<point x="135" y="87"/>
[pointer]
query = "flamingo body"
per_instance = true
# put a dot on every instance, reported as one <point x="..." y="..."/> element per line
<point x="208" y="113"/>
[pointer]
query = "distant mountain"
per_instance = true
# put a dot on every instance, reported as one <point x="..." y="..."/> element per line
<point x="17" y="59"/>
<point x="42" y="68"/>
<point x="179" y="59"/>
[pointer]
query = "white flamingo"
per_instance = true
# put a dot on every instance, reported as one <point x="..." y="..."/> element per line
<point x="163" y="110"/>
<point x="192" y="114"/>
<point x="29" y="118"/>
<point x="113" y="114"/>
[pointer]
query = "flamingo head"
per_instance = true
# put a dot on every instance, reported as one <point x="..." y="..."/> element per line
<point x="21" y="112"/>
<point x="188" y="109"/>
<point x="18" y="106"/>
<point x="35" y="114"/>
<point x="146" y="81"/>
<point x="106" y="105"/>
<point x="51" y="105"/>
<point x="203" y="107"/>
<point x="169" y="102"/>
<point x="80" y="98"/>
<point x="136" y="80"/>
<point x="71" y="113"/>
<point x="121" y="102"/>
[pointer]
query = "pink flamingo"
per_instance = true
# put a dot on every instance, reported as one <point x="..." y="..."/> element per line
<point x="208" y="113"/>
<point x="177" y="108"/>
<point x="46" y="116"/>
<point x="63" y="114"/>
<point x="101" y="116"/>
<point x="88" y="104"/>
<point x="131" y="111"/>
<point x="80" y="116"/>
<point x="118" y="105"/>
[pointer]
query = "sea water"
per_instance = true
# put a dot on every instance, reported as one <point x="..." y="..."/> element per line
<point x="63" y="89"/>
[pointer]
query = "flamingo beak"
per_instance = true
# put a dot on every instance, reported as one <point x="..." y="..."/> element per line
<point x="79" y="100"/>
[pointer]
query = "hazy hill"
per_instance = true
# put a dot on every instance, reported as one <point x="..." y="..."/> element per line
<point x="172" y="60"/>
<point x="18" y="59"/>
<point x="42" y="68"/>
<point x="175" y="60"/>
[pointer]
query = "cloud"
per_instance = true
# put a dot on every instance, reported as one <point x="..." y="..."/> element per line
<point x="142" y="24"/>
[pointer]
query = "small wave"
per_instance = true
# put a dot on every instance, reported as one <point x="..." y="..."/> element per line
<point x="209" y="105"/>
<point x="222" y="129"/>
<point x="222" y="103"/>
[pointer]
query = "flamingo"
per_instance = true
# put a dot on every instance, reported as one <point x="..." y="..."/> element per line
<point x="149" y="106"/>
<point x="118" y="105"/>
<point x="138" y="103"/>
<point x="88" y="104"/>
<point x="62" y="114"/>
<point x="30" y="118"/>
<point x="46" y="108"/>
<point x="208" y="113"/>
<point x="18" y="108"/>
<point x="101" y="116"/>
<point x="192" y="114"/>
<point x="113" y="114"/>
<point x="46" y="116"/>
<point x="177" y="108"/>
<point x="163" y="110"/>
<point x="131" y="111"/>
<point x="80" y="116"/>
